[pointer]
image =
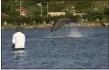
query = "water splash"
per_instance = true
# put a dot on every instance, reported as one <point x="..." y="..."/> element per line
<point x="74" y="32"/>
<point x="65" y="32"/>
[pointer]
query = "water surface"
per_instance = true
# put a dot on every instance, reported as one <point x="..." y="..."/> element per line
<point x="90" y="51"/>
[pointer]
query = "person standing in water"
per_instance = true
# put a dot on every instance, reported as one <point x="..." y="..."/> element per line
<point x="18" y="40"/>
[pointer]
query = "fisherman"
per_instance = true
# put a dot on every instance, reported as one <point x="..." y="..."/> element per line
<point x="18" y="40"/>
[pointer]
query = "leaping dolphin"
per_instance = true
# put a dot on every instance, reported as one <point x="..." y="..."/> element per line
<point x="61" y="23"/>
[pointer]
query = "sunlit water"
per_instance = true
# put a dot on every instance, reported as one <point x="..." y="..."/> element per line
<point x="89" y="51"/>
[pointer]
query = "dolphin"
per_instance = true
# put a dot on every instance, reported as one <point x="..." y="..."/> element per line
<point x="64" y="22"/>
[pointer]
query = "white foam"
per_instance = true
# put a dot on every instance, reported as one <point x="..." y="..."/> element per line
<point x="65" y="32"/>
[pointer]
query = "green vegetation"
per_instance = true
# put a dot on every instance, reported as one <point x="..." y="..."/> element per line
<point x="94" y="11"/>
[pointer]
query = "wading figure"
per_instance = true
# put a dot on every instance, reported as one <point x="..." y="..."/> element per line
<point x="18" y="40"/>
<point x="64" y="22"/>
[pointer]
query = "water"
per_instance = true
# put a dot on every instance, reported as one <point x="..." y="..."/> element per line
<point x="90" y="51"/>
<point x="65" y="32"/>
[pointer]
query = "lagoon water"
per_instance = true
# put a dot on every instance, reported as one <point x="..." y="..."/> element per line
<point x="89" y="51"/>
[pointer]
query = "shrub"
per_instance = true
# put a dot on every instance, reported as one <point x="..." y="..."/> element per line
<point x="38" y="19"/>
<point x="19" y="20"/>
<point x="8" y="19"/>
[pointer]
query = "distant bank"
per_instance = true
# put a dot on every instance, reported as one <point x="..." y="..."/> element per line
<point x="50" y="25"/>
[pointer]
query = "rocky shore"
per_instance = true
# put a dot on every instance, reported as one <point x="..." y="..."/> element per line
<point x="78" y="25"/>
<point x="50" y="25"/>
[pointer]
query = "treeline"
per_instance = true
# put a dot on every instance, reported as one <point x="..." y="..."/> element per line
<point x="94" y="11"/>
<point x="91" y="17"/>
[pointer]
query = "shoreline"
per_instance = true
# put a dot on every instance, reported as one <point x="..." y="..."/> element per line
<point x="50" y="25"/>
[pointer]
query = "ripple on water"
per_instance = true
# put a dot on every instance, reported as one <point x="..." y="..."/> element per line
<point x="78" y="52"/>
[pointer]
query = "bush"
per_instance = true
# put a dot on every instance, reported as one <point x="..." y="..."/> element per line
<point x="8" y="19"/>
<point x="19" y="20"/>
<point x="93" y="16"/>
<point x="15" y="20"/>
<point x="77" y="17"/>
<point x="48" y="19"/>
<point x="56" y="18"/>
<point x="38" y="19"/>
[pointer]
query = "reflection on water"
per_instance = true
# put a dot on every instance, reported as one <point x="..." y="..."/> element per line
<point x="20" y="58"/>
<point x="20" y="52"/>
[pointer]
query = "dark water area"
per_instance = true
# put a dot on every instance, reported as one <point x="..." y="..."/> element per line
<point x="90" y="51"/>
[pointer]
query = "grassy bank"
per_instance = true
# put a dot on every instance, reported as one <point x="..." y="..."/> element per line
<point x="9" y="26"/>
